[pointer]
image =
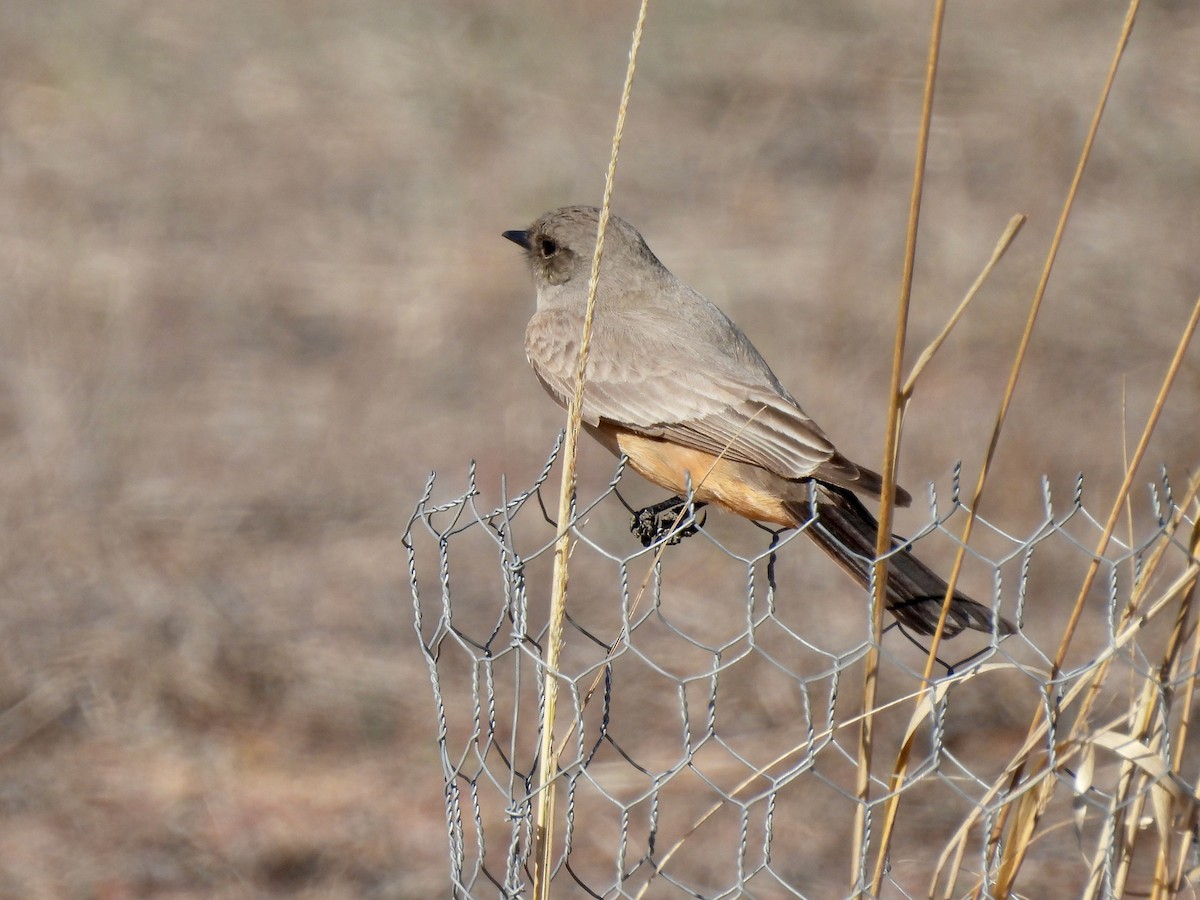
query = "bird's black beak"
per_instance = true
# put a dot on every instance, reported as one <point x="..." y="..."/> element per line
<point x="518" y="237"/>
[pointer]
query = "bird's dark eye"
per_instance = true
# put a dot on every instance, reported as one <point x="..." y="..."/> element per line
<point x="548" y="248"/>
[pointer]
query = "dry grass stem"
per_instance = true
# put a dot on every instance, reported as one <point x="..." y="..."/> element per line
<point x="1005" y="241"/>
<point x="1035" y="306"/>
<point x="547" y="755"/>
<point x="900" y="767"/>
<point x="891" y="454"/>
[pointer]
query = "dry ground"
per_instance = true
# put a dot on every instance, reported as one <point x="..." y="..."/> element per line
<point x="252" y="290"/>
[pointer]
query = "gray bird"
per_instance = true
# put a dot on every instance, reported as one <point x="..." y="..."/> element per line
<point x="677" y="388"/>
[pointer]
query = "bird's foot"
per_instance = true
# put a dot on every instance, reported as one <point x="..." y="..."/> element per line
<point x="655" y="522"/>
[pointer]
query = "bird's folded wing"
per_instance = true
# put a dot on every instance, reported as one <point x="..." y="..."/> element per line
<point x="709" y="400"/>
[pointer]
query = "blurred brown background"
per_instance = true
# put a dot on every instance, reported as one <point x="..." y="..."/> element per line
<point x="252" y="291"/>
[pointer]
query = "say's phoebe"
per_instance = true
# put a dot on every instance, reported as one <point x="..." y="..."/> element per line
<point x="677" y="388"/>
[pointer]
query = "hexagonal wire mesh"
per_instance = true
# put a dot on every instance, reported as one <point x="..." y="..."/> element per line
<point x="710" y="700"/>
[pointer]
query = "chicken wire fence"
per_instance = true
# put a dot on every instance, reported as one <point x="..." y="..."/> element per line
<point x="711" y="690"/>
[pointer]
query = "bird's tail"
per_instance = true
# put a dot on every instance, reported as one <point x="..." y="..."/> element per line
<point x="846" y="530"/>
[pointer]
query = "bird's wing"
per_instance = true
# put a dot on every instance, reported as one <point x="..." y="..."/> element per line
<point x="708" y="393"/>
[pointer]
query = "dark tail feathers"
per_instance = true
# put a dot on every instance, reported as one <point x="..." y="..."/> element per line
<point x="846" y="530"/>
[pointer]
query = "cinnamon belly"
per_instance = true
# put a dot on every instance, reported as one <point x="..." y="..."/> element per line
<point x="746" y="490"/>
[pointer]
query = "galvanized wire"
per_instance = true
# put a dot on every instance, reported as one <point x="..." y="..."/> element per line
<point x="671" y="785"/>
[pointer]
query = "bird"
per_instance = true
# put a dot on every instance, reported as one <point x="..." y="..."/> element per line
<point x="675" y="387"/>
